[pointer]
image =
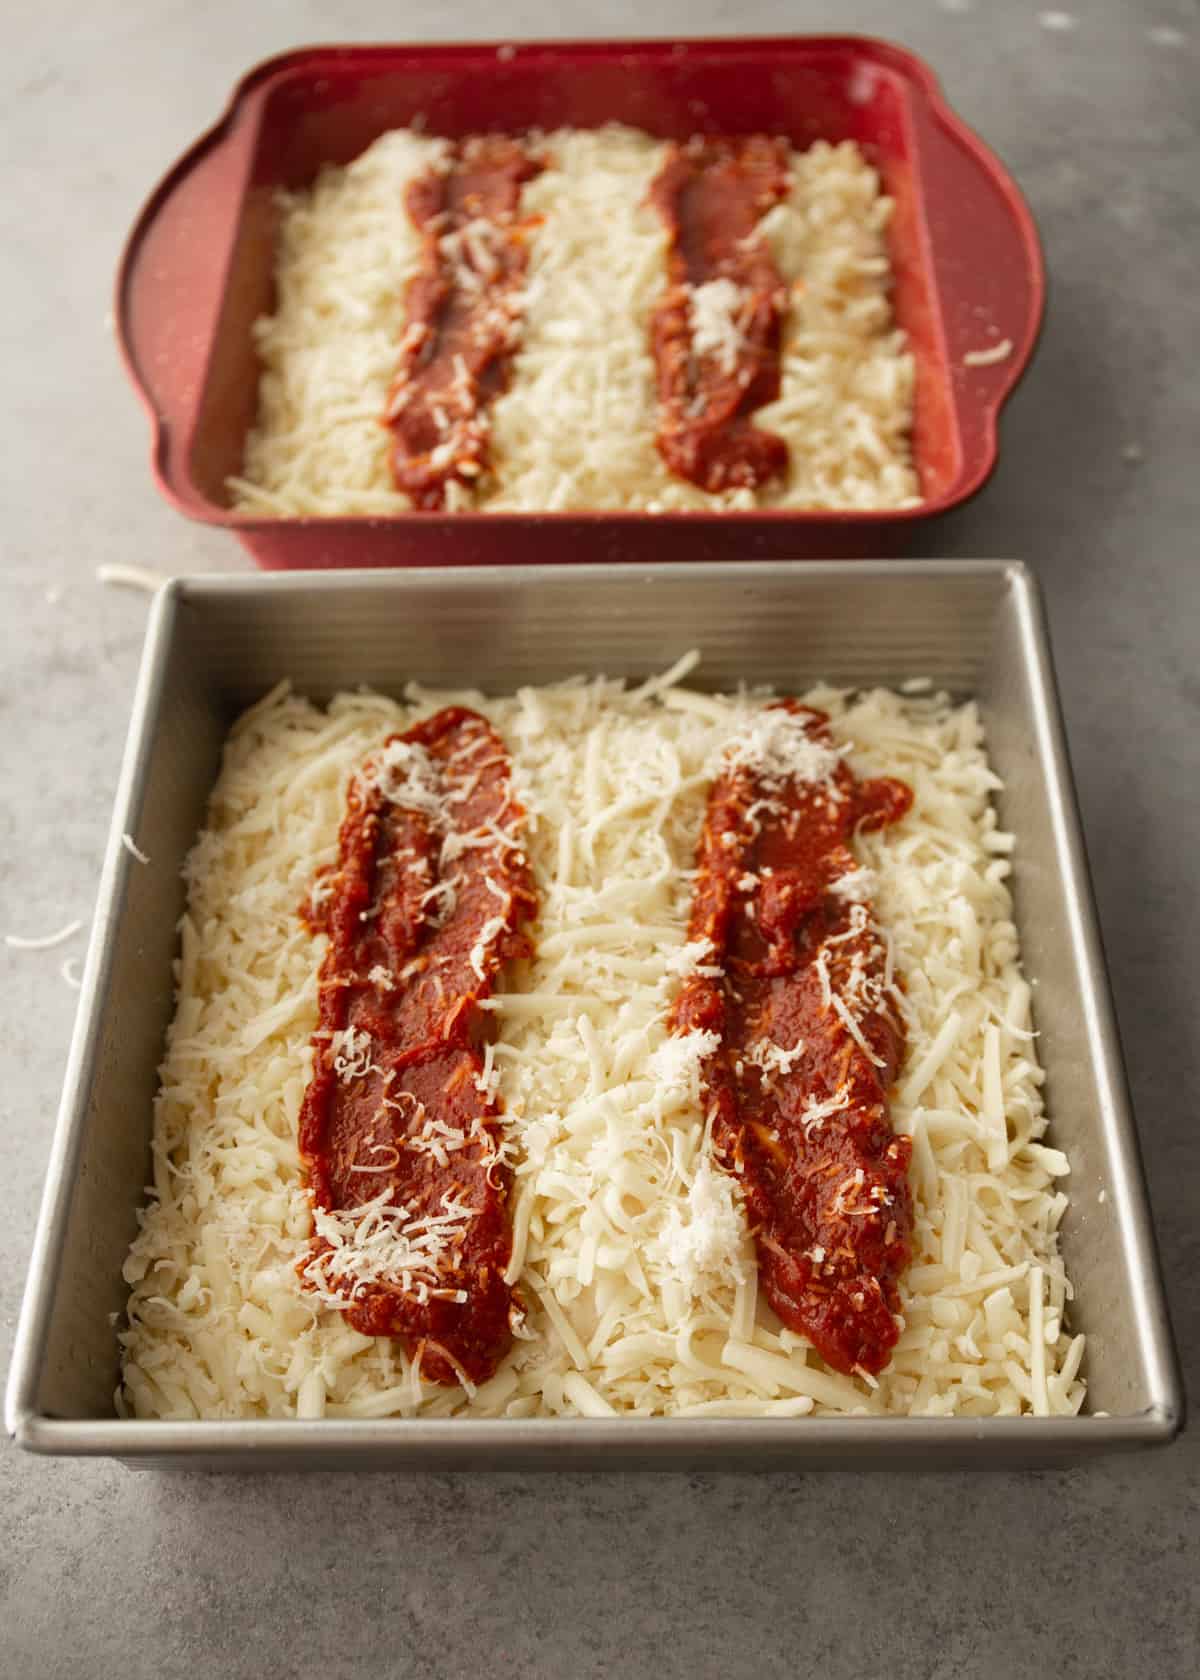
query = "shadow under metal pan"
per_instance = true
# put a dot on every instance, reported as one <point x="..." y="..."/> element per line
<point x="199" y="268"/>
<point x="217" y="644"/>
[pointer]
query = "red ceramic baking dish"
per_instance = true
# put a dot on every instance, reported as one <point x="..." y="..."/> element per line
<point x="198" y="268"/>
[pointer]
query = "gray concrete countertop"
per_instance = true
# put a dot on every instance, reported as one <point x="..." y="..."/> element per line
<point x="1090" y="1572"/>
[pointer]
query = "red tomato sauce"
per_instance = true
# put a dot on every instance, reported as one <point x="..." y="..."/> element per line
<point x="798" y="1099"/>
<point x="710" y="195"/>
<point x="463" y="315"/>
<point x="427" y="902"/>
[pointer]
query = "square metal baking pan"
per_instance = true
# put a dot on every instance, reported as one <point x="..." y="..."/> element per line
<point x="216" y="644"/>
<point x="199" y="268"/>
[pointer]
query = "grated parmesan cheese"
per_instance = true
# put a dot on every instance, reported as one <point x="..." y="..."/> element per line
<point x="773" y="1058"/>
<point x="703" y="1240"/>
<point x="715" y="309"/>
<point x="379" y="1240"/>
<point x="350" y="1050"/>
<point x="776" y="748"/>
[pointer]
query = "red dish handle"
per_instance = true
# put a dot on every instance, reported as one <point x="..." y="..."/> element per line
<point x="986" y="259"/>
<point x="170" y="287"/>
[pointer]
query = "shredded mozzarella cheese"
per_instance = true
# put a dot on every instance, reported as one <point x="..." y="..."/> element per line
<point x="629" y="1249"/>
<point x="576" y="426"/>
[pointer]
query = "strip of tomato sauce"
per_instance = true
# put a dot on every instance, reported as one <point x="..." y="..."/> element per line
<point x="799" y="1099"/>
<point x="710" y="195"/>
<point x="463" y="313"/>
<point x="428" y="900"/>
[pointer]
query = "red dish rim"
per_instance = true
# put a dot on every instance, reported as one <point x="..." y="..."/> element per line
<point x="1002" y="381"/>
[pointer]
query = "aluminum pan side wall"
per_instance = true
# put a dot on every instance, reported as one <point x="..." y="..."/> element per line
<point x="218" y="644"/>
